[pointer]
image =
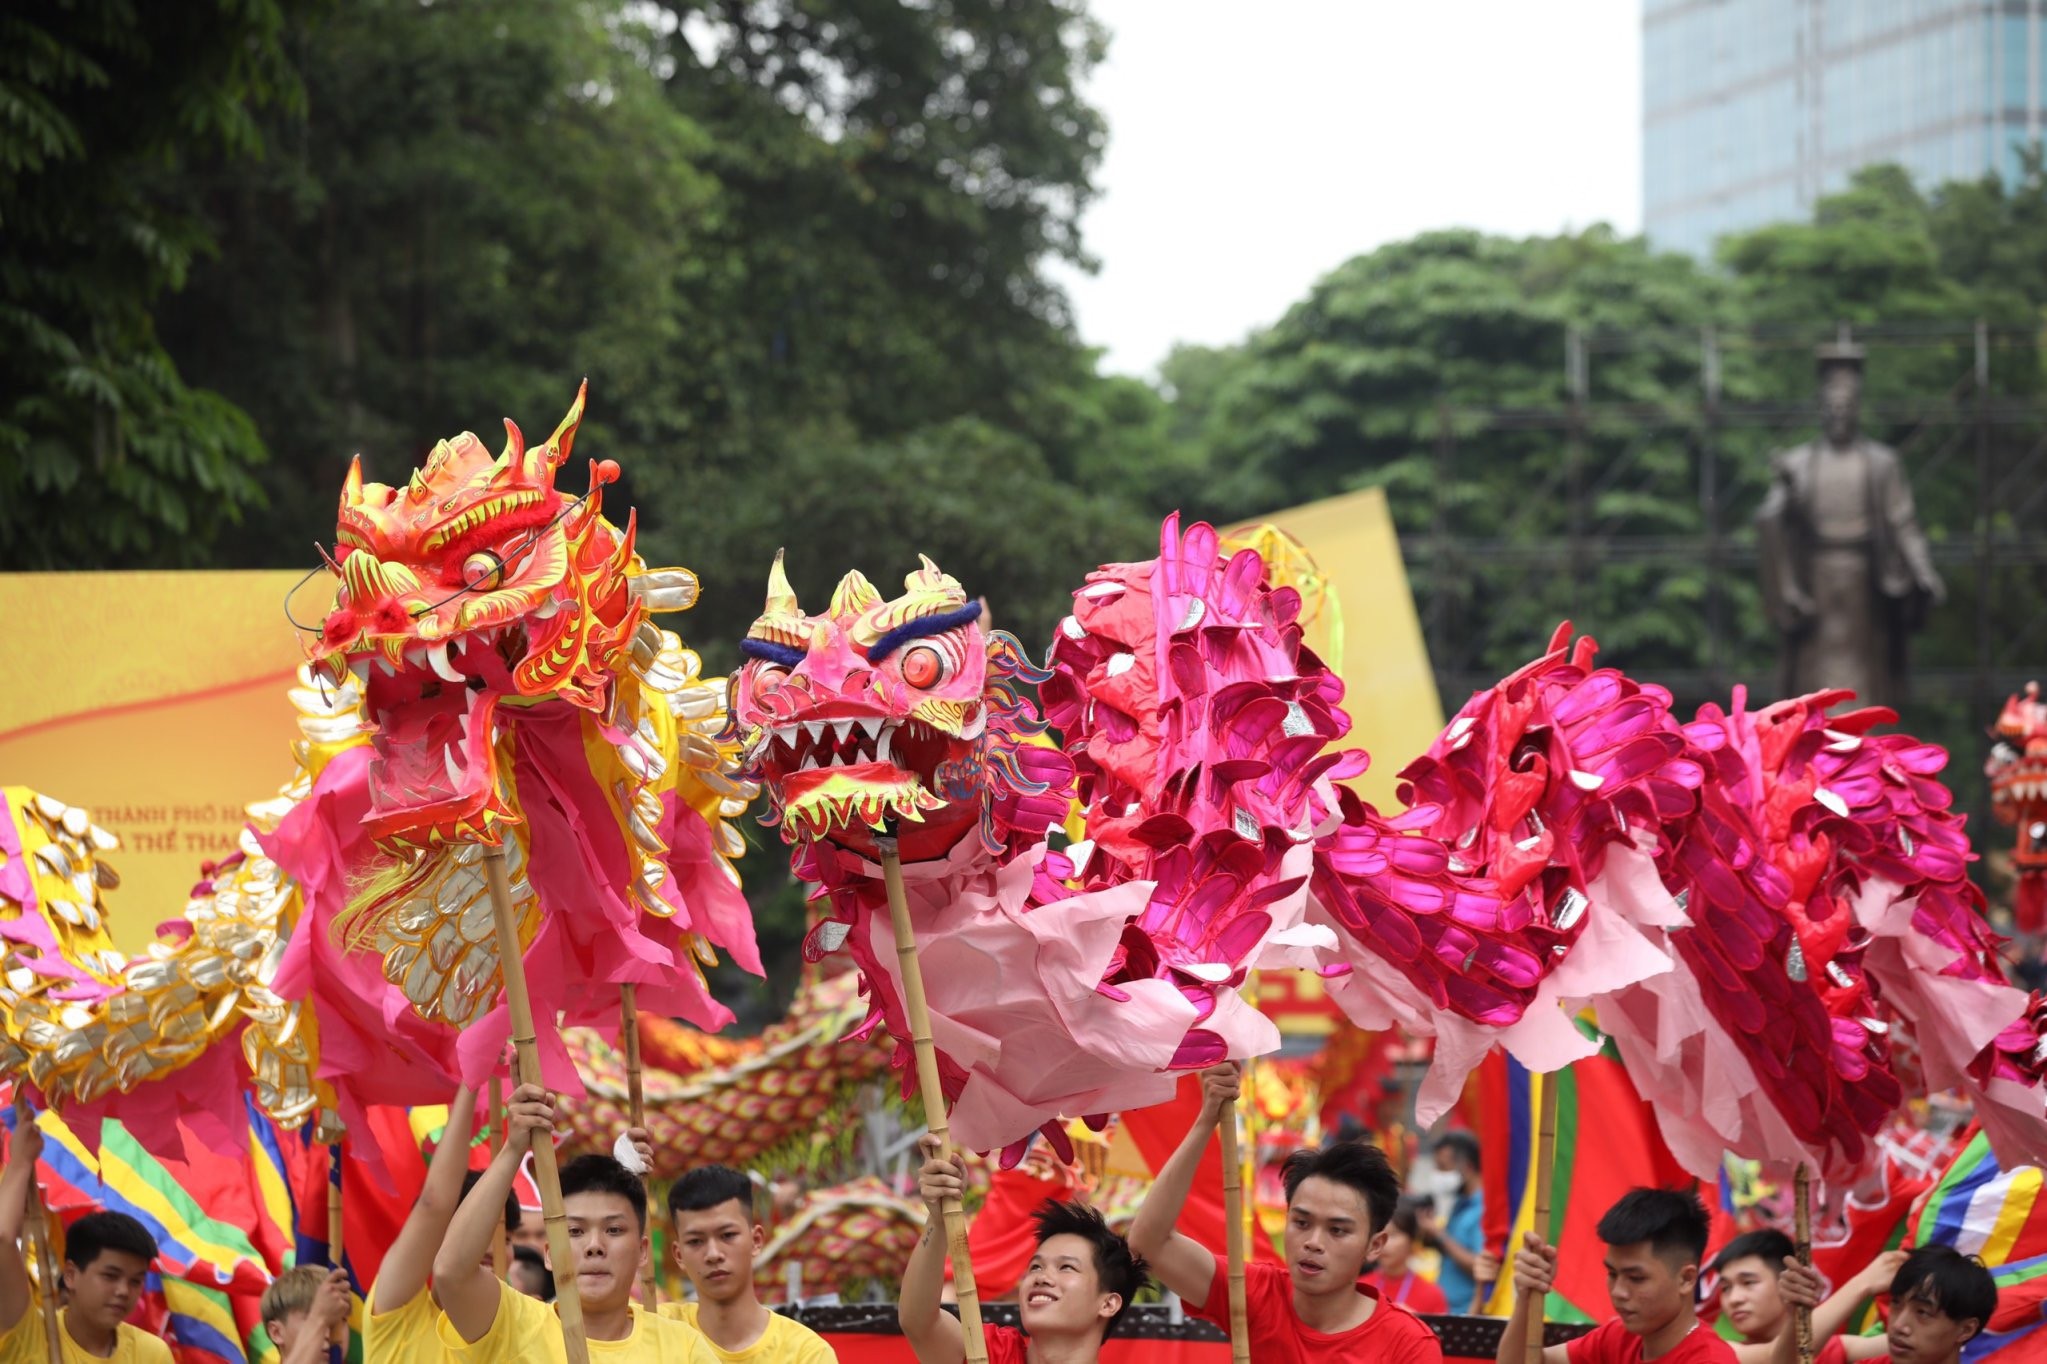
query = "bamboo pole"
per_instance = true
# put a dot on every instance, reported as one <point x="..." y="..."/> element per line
<point x="52" y="1275"/>
<point x="334" y="1237"/>
<point x="636" y="1111"/>
<point x="1801" y="1318"/>
<point x="932" y="1092"/>
<point x="546" y="1173"/>
<point x="1545" y="1168"/>
<point x="500" y="1241"/>
<point x="1233" y="1215"/>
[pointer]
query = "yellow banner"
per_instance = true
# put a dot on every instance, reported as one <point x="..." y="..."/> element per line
<point x="157" y="700"/>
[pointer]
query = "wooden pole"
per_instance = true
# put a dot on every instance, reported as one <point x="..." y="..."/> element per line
<point x="1801" y="1319"/>
<point x="932" y="1092"/>
<point x="1233" y="1215"/>
<point x="334" y="1239"/>
<point x="1545" y="1167"/>
<point x="500" y="1242"/>
<point x="636" y="1111"/>
<point x="46" y="1265"/>
<point x="568" y="1302"/>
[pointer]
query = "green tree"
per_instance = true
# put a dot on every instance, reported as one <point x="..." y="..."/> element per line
<point x="481" y="204"/>
<point x="107" y="457"/>
<point x="1355" y="384"/>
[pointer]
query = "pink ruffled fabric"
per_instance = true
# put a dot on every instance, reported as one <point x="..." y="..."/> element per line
<point x="374" y="1049"/>
<point x="1824" y="879"/>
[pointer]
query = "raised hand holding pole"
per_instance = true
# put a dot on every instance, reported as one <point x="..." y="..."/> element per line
<point x="932" y="1092"/>
<point x="546" y="1173"/>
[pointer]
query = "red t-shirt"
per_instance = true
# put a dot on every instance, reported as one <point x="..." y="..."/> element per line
<point x="1411" y="1291"/>
<point x="1006" y="1345"/>
<point x="1391" y="1335"/>
<point x="1835" y="1351"/>
<point x="1614" y="1344"/>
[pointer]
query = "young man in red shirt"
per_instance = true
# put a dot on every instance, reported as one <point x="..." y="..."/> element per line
<point x="1078" y="1283"/>
<point x="1750" y="1269"/>
<point x="1340" y="1201"/>
<point x="1940" y="1299"/>
<point x="1655" y="1241"/>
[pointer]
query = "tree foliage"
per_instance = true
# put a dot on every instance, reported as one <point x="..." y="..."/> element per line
<point x="106" y="455"/>
<point x="799" y="247"/>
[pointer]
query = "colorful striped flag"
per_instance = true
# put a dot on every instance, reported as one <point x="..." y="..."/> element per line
<point x="218" y="1225"/>
<point x="1607" y="1143"/>
<point x="1983" y="1209"/>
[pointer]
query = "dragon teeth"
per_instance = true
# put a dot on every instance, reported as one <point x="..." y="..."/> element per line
<point x="437" y="659"/>
<point x="454" y="772"/>
<point x="840" y="729"/>
<point x="871" y="725"/>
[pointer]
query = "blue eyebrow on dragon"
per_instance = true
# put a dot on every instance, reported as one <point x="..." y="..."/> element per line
<point x="920" y="628"/>
<point x="769" y="652"/>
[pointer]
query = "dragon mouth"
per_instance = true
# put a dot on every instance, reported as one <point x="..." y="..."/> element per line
<point x="432" y="707"/>
<point x="836" y="773"/>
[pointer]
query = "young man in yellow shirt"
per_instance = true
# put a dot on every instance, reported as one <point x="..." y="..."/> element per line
<point x="303" y="1309"/>
<point x="485" y="1322"/>
<point x="716" y="1239"/>
<point x="106" y="1259"/>
<point x="400" y="1320"/>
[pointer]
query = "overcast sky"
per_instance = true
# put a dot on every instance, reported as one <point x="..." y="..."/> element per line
<point x="1253" y="147"/>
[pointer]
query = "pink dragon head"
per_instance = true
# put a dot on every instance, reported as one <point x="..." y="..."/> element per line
<point x="877" y="712"/>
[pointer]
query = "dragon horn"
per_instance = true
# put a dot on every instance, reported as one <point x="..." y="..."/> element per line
<point x="564" y="438"/>
<point x="515" y="445"/>
<point x="351" y="487"/>
<point x="781" y="596"/>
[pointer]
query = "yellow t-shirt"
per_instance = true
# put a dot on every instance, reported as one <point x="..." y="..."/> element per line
<point x="526" y="1331"/>
<point x="24" y="1343"/>
<point x="786" y="1341"/>
<point x="405" y="1335"/>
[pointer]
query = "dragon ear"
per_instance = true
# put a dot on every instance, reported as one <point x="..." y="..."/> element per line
<point x="351" y="487"/>
<point x="781" y="596"/>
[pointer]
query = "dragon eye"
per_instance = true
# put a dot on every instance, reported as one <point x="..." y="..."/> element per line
<point x="923" y="666"/>
<point x="483" y="569"/>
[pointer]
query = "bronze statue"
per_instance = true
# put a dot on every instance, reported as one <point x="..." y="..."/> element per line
<point x="1847" y="576"/>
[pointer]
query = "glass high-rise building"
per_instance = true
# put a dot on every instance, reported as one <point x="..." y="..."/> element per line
<point x="1753" y="109"/>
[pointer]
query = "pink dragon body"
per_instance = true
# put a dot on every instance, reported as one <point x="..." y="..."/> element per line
<point x="1746" y="900"/>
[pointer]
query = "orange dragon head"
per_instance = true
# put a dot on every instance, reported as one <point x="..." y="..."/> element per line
<point x="476" y="584"/>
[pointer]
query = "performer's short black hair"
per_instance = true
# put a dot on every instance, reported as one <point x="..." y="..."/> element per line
<point x="707" y="1186"/>
<point x="1120" y="1270"/>
<point x="1953" y="1284"/>
<point x="472" y="1178"/>
<point x="1356" y="1164"/>
<point x="1769" y="1245"/>
<point x="603" y="1174"/>
<point x="96" y="1232"/>
<point x="1672" y="1221"/>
